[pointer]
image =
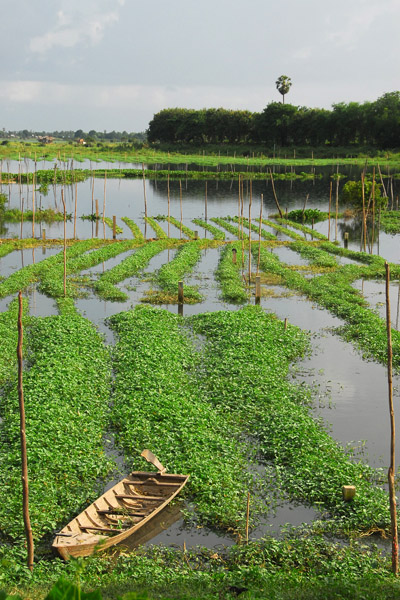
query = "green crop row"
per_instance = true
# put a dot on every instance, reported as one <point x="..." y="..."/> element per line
<point x="334" y="291"/>
<point x="66" y="386"/>
<point x="156" y="404"/>
<point x="108" y="221"/>
<point x="105" y="286"/>
<point x="137" y="234"/>
<point x="52" y="278"/>
<point x="246" y="363"/>
<point x="314" y="255"/>
<point x="217" y="233"/>
<point x="186" y="230"/>
<point x="159" y="231"/>
<point x="265" y="234"/>
<point x="32" y="273"/>
<point x="233" y="230"/>
<point x="171" y="273"/>
<point x="285" y="230"/>
<point x="313" y="232"/>
<point x="229" y="274"/>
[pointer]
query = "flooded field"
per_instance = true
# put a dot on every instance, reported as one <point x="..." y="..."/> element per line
<point x="349" y="393"/>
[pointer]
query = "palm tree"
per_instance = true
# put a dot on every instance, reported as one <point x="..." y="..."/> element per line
<point x="283" y="85"/>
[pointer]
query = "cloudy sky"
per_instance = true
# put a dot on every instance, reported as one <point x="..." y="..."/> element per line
<point x="111" y="64"/>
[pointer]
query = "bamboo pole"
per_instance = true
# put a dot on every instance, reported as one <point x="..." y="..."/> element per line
<point x="275" y="197"/>
<point x="242" y="226"/>
<point x="364" y="213"/>
<point x="169" y="206"/>
<point x="180" y="204"/>
<point x="329" y="211"/>
<point x="76" y="206"/>
<point x="239" y="204"/>
<point x="337" y="202"/>
<point x="144" y="191"/>
<point x="250" y="202"/>
<point x="24" y="457"/>
<point x="104" y="204"/>
<point x="391" y="471"/>
<point x="205" y="205"/>
<point x="22" y="216"/>
<point x="65" y="244"/>
<point x="33" y="207"/>
<point x="259" y="235"/>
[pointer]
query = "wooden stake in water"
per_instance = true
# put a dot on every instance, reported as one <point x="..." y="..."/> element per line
<point x="24" y="456"/>
<point x="169" y="206"/>
<point x="329" y="211"/>
<point x="275" y="196"/>
<point x="180" y="292"/>
<point x="250" y="202"/>
<point x="33" y="206"/>
<point x="205" y="206"/>
<point x="180" y="204"/>
<point x="65" y="244"/>
<point x="391" y="471"/>
<point x="144" y="191"/>
<point x="22" y="215"/>
<point x="364" y="237"/>
<point x="114" y="227"/>
<point x="337" y="202"/>
<point x="259" y="235"/>
<point x="104" y="205"/>
<point x="76" y="206"/>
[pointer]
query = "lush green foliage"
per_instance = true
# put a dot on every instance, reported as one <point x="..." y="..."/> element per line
<point x="157" y="404"/>
<point x="52" y="277"/>
<point x="105" y="286"/>
<point x="159" y="231"/>
<point x="137" y="234"/>
<point x="32" y="273"/>
<point x="171" y="273"/>
<point x="66" y="386"/>
<point x="108" y="221"/>
<point x="307" y="216"/>
<point x="353" y="194"/>
<point x="183" y="228"/>
<point x="245" y="374"/>
<point x="217" y="233"/>
<point x="237" y="231"/>
<point x="229" y="275"/>
<point x="390" y="221"/>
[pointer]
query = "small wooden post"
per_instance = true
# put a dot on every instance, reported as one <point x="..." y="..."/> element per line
<point x="346" y="239"/>
<point x="144" y="191"/>
<point x="24" y="457"/>
<point x="391" y="471"/>
<point x="259" y="235"/>
<point x="258" y="289"/>
<point x="180" y="292"/>
<point x="349" y="492"/>
<point x="196" y="235"/>
<point x="43" y="234"/>
<point x="114" y="227"/>
<point x="234" y="256"/>
<point x="97" y="209"/>
<point x="285" y="324"/>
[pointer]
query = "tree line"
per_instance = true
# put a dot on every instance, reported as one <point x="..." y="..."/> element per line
<point x="354" y="124"/>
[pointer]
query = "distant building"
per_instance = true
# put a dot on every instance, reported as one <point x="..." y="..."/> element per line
<point x="45" y="139"/>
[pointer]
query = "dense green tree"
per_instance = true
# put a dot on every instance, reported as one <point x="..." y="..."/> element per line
<point x="283" y="85"/>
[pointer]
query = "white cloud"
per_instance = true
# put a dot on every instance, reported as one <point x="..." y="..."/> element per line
<point x="76" y="25"/>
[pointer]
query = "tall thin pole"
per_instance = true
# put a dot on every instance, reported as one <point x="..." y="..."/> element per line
<point x="180" y="203"/>
<point x="391" y="471"/>
<point x="33" y="206"/>
<point x="259" y="235"/>
<point x="329" y="211"/>
<point x="76" y="206"/>
<point x="205" y="206"/>
<point x="250" y="202"/>
<point x="65" y="244"/>
<point x="104" y="205"/>
<point x="24" y="456"/>
<point x="169" y="206"/>
<point x="144" y="191"/>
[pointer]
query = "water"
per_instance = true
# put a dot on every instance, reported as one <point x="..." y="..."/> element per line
<point x="351" y="394"/>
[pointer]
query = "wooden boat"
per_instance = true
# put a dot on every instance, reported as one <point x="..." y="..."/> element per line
<point x="120" y="512"/>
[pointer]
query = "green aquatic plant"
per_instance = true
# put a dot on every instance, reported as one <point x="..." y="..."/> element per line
<point x="137" y="234"/>
<point x="229" y="274"/>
